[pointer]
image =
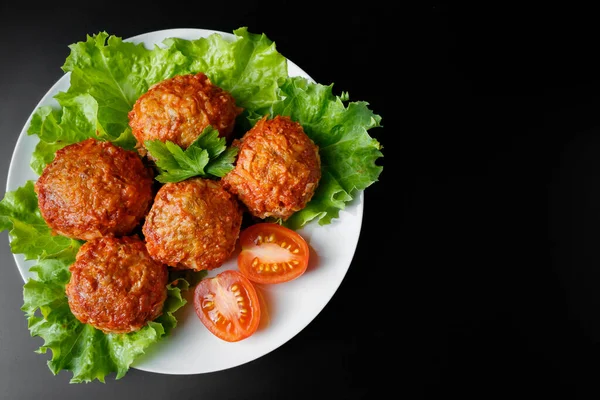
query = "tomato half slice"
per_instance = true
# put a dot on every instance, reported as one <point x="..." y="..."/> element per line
<point x="272" y="253"/>
<point x="228" y="305"/>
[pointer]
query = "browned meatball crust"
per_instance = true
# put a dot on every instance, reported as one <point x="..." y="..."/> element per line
<point x="115" y="285"/>
<point x="93" y="189"/>
<point x="178" y="109"/>
<point x="277" y="170"/>
<point x="193" y="224"/>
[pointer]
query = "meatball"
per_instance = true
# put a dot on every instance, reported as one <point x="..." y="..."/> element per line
<point x="115" y="285"/>
<point x="94" y="189"/>
<point x="178" y="109"/>
<point x="277" y="170"/>
<point x="193" y="224"/>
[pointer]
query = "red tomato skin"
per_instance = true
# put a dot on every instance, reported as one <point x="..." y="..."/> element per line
<point x="234" y="291"/>
<point x="254" y="241"/>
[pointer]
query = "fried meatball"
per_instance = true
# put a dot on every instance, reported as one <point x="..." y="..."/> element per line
<point x="93" y="189"/>
<point x="277" y="170"/>
<point x="178" y="109"/>
<point x="115" y="285"/>
<point x="193" y="224"/>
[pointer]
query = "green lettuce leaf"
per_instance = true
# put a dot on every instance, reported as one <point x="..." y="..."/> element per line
<point x="28" y="232"/>
<point x="249" y="67"/>
<point x="348" y="153"/>
<point x="115" y="73"/>
<point x="87" y="352"/>
<point x="208" y="157"/>
<point x="107" y="76"/>
<point x="75" y="120"/>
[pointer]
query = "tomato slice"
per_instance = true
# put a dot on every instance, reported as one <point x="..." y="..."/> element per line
<point x="228" y="305"/>
<point x="272" y="253"/>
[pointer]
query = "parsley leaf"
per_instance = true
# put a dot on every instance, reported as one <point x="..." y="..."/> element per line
<point x="208" y="156"/>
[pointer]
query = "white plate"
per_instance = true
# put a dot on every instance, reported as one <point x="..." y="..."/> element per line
<point x="191" y="348"/>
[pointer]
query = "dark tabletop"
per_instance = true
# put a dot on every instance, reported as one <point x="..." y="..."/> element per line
<point x="477" y="271"/>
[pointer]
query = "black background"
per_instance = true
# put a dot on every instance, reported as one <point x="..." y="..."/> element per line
<point x="504" y="202"/>
<point x="477" y="273"/>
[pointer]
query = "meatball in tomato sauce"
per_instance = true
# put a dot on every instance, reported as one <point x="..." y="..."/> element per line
<point x="93" y="189"/>
<point x="178" y="109"/>
<point x="193" y="224"/>
<point x="277" y="170"/>
<point x="115" y="285"/>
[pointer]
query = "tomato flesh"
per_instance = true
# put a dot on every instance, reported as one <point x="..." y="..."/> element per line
<point x="272" y="253"/>
<point x="228" y="305"/>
